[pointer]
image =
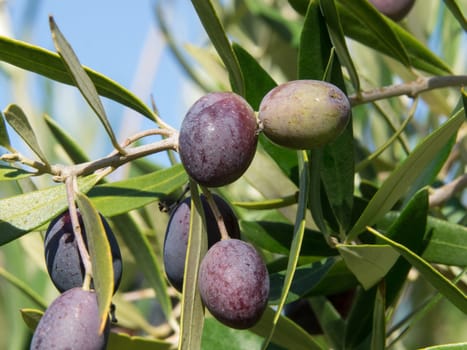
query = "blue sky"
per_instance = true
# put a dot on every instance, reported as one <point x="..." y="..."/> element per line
<point x="119" y="39"/>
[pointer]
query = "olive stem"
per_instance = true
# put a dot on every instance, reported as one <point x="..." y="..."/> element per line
<point x="411" y="88"/>
<point x="164" y="126"/>
<point x="216" y="212"/>
<point x="106" y="164"/>
<point x="71" y="188"/>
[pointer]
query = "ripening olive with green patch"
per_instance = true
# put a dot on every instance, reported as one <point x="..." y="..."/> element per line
<point x="304" y="114"/>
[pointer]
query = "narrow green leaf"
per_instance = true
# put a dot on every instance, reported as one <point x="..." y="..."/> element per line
<point x="273" y="203"/>
<point x="287" y="334"/>
<point x="24" y="288"/>
<point x="142" y="251"/>
<point x="337" y="280"/>
<point x="464" y="98"/>
<point x="360" y="320"/>
<point x="81" y="79"/>
<point x="276" y="237"/>
<point x="409" y="229"/>
<point x="300" y="6"/>
<point x="387" y="37"/>
<point x="457" y="13"/>
<point x="25" y="212"/>
<point x="192" y="316"/>
<point x="313" y="61"/>
<point x="273" y="16"/>
<point x="419" y="312"/>
<point x="8" y="173"/>
<point x="337" y="166"/>
<point x="259" y="82"/>
<point x="337" y="176"/>
<point x="457" y="346"/>
<point x="377" y="25"/>
<point x="441" y="283"/>
<point x="329" y="319"/>
<point x="218" y="336"/>
<point x="369" y="263"/>
<point x="213" y="26"/>
<point x="396" y="135"/>
<point x="50" y="65"/>
<point x="400" y="180"/>
<point x="31" y="317"/>
<point x="315" y="45"/>
<point x="305" y="279"/>
<point x="330" y="276"/>
<point x="337" y="36"/>
<point x="209" y="63"/>
<point x="427" y="176"/>
<point x="378" y="335"/>
<point x="123" y="341"/>
<point x="445" y="242"/>
<point x="299" y="230"/>
<point x="4" y="138"/>
<point x="315" y="194"/>
<point x="332" y="173"/>
<point x="19" y="122"/>
<point x="122" y="196"/>
<point x="69" y="145"/>
<point x="101" y="257"/>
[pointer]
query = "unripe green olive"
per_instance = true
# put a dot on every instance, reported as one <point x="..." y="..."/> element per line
<point x="304" y="114"/>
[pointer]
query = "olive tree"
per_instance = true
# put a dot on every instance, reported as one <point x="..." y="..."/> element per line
<point x="328" y="131"/>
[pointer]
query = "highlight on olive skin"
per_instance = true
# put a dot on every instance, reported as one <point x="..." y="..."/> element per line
<point x="394" y="9"/>
<point x="176" y="236"/>
<point x="71" y="322"/>
<point x="63" y="260"/>
<point x="234" y="283"/>
<point x="218" y="138"/>
<point x="304" y="114"/>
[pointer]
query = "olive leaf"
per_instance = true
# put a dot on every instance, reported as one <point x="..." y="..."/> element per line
<point x="31" y="317"/>
<point x="214" y="28"/>
<point x="4" y="138"/>
<point x="299" y="230"/>
<point x="402" y="178"/>
<point x="192" y="317"/>
<point x="8" y="173"/>
<point x="49" y="64"/>
<point x="23" y="287"/>
<point x="369" y="263"/>
<point x="453" y="293"/>
<point x="336" y="34"/>
<point x="100" y="254"/>
<point x="23" y="213"/>
<point x="19" y="122"/>
<point x="82" y="80"/>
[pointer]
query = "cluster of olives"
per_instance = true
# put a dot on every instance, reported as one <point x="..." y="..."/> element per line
<point x="217" y="143"/>
<point x="233" y="279"/>
<point x="72" y="320"/>
<point x="218" y="135"/>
